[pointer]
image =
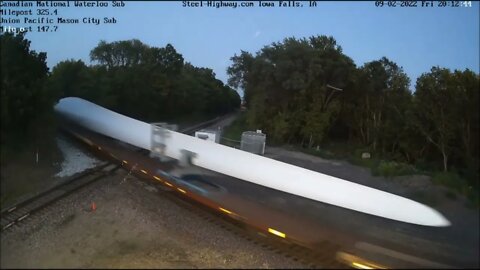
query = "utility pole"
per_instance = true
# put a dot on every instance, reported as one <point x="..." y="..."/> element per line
<point x="327" y="100"/>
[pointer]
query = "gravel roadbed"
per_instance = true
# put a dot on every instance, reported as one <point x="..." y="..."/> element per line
<point x="134" y="226"/>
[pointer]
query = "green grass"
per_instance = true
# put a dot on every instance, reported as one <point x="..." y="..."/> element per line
<point x="387" y="168"/>
<point x="456" y="184"/>
<point x="24" y="176"/>
<point x="234" y="131"/>
<point x="473" y="199"/>
<point x="448" y="179"/>
<point x="378" y="167"/>
<point x="391" y="168"/>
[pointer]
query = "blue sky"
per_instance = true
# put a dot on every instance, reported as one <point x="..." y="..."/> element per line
<point x="414" y="38"/>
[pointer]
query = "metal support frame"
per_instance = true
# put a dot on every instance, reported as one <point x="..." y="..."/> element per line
<point x="159" y="133"/>
<point x="186" y="159"/>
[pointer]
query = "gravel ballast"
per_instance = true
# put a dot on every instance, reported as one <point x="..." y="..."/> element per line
<point x="133" y="226"/>
<point x="75" y="161"/>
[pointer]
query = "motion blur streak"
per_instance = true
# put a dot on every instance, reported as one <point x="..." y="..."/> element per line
<point x="237" y="163"/>
<point x="277" y="233"/>
<point x="361" y="266"/>
<point x="357" y="262"/>
<point x="225" y="210"/>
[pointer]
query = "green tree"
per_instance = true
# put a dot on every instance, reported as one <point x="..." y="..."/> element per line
<point x="239" y="71"/>
<point x="72" y="78"/>
<point x="75" y="79"/>
<point x="153" y="84"/>
<point x="289" y="82"/>
<point x="378" y="103"/>
<point x="24" y="98"/>
<point x="125" y="53"/>
<point x="435" y="119"/>
<point x="466" y="103"/>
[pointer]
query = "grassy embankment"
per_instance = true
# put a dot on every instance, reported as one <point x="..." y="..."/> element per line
<point x="379" y="166"/>
<point x="232" y="134"/>
<point x="21" y="174"/>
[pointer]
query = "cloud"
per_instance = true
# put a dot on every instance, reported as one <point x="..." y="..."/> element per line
<point x="257" y="33"/>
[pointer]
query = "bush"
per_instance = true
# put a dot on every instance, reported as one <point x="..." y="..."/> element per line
<point x="455" y="182"/>
<point x="473" y="199"/>
<point x="451" y="195"/>
<point x="385" y="168"/>
<point x="232" y="134"/>
<point x="449" y="179"/>
<point x="392" y="168"/>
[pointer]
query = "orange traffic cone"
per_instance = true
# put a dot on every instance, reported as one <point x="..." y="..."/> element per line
<point x="94" y="206"/>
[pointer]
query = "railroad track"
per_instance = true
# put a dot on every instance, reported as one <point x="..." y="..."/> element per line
<point x="192" y="129"/>
<point x="24" y="209"/>
<point x="323" y="255"/>
<point x="17" y="213"/>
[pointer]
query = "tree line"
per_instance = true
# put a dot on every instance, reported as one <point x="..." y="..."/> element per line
<point x="132" y="78"/>
<point x="307" y="91"/>
<point x="300" y="91"/>
<point x="26" y="101"/>
<point x="144" y="82"/>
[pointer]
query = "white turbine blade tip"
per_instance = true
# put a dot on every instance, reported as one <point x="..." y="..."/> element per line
<point x="440" y="221"/>
<point x="432" y="217"/>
